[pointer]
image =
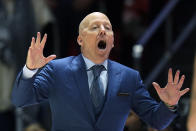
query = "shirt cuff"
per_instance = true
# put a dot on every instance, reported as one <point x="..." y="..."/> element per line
<point x="174" y="109"/>
<point x="27" y="73"/>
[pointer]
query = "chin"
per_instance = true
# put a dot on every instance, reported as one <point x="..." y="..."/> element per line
<point x="103" y="54"/>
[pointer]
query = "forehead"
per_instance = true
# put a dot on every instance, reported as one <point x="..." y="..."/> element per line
<point x="96" y="18"/>
<point x="99" y="21"/>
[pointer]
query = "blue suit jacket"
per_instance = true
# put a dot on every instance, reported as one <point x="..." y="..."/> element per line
<point x="64" y="84"/>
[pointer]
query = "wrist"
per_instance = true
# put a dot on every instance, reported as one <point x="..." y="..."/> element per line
<point x="172" y="107"/>
<point x="29" y="67"/>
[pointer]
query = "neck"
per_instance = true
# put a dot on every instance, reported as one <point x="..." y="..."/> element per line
<point x="97" y="60"/>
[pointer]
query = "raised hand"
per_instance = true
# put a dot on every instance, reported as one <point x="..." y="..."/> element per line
<point x="171" y="93"/>
<point x="35" y="58"/>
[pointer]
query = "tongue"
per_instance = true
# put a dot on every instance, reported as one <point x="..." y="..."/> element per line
<point x="102" y="45"/>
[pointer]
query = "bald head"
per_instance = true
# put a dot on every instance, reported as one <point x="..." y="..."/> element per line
<point x="85" y="22"/>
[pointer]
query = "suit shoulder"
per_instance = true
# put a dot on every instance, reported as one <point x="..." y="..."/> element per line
<point x="62" y="62"/>
<point x="123" y="67"/>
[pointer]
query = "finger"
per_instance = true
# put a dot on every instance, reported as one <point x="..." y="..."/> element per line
<point x="49" y="58"/>
<point x="32" y="42"/>
<point x="184" y="91"/>
<point x="38" y="38"/>
<point x="157" y="87"/>
<point x="44" y="40"/>
<point x="181" y="82"/>
<point x="176" y="78"/>
<point x="170" y="76"/>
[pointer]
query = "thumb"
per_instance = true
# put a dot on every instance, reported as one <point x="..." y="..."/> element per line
<point x="157" y="87"/>
<point x="49" y="58"/>
<point x="184" y="91"/>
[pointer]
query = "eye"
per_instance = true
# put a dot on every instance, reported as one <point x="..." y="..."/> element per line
<point x="107" y="28"/>
<point x="94" y="27"/>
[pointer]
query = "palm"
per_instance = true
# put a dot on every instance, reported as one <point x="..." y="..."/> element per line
<point x="171" y="93"/>
<point x="35" y="58"/>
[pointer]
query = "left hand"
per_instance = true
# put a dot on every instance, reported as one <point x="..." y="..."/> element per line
<point x="171" y="94"/>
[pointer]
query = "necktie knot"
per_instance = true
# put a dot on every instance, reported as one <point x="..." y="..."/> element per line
<point x="97" y="69"/>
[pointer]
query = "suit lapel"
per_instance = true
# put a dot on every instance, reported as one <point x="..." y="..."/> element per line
<point x="79" y="69"/>
<point x="114" y="79"/>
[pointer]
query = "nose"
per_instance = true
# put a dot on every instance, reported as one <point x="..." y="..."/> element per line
<point x="102" y="31"/>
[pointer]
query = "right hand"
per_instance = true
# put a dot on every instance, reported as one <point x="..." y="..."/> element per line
<point x="35" y="58"/>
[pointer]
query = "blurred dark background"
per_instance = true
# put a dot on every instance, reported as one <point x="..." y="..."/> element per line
<point x="131" y="20"/>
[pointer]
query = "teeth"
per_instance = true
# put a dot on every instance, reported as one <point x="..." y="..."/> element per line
<point x="102" y="45"/>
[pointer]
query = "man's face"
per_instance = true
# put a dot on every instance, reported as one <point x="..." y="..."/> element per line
<point x="96" y="37"/>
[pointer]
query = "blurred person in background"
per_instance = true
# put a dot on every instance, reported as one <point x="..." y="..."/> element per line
<point x="19" y="20"/>
<point x="133" y="123"/>
<point x="16" y="27"/>
<point x="34" y="127"/>
<point x="191" y="123"/>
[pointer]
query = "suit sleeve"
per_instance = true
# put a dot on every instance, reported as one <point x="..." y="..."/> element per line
<point x="157" y="115"/>
<point x="33" y="90"/>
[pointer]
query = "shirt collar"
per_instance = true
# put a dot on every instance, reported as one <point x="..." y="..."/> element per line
<point x="89" y="63"/>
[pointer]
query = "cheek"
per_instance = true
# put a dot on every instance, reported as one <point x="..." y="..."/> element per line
<point x="90" y="38"/>
<point x="89" y="43"/>
<point x="111" y="40"/>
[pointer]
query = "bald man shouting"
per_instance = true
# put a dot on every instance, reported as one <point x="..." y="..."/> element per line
<point x="89" y="92"/>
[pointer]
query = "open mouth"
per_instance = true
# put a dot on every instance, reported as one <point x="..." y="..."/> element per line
<point x="102" y="44"/>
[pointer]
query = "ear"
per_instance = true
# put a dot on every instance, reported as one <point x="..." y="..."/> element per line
<point x="79" y="40"/>
<point x="112" y="42"/>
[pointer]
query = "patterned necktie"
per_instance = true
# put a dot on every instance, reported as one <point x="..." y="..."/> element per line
<point x="97" y="91"/>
